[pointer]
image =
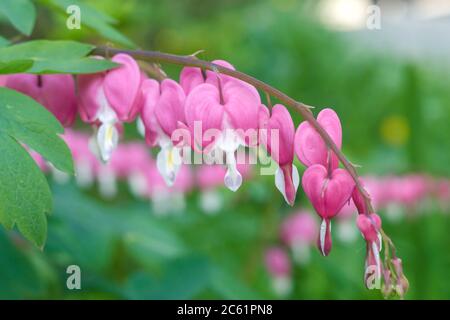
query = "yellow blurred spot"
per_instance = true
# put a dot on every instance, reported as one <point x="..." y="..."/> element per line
<point x="395" y="130"/>
<point x="109" y="133"/>
<point x="170" y="159"/>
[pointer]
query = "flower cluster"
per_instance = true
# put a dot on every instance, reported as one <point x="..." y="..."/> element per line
<point x="207" y="112"/>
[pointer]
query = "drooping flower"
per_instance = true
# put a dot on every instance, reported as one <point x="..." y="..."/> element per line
<point x="221" y="119"/>
<point x="277" y="134"/>
<point x="109" y="98"/>
<point x="279" y="267"/>
<point x="369" y="225"/>
<point x="309" y="145"/>
<point x="56" y="92"/>
<point x="328" y="192"/>
<point x="163" y="112"/>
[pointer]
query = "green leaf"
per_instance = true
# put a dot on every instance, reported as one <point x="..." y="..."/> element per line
<point x="24" y="193"/>
<point x="3" y="42"/>
<point x="16" y="66"/>
<point x="56" y="57"/>
<point x="27" y="121"/>
<point x="96" y="20"/>
<point x="21" y="14"/>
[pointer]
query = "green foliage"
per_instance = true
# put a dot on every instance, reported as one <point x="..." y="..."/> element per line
<point x="25" y="196"/>
<point x="21" y="14"/>
<point x="52" y="57"/>
<point x="95" y="20"/>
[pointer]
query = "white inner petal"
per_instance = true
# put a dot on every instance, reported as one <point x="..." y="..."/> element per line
<point x="323" y="231"/>
<point x="105" y="114"/>
<point x="376" y="254"/>
<point x="168" y="162"/>
<point x="279" y="182"/>
<point x="380" y="241"/>
<point x="295" y="177"/>
<point x="107" y="135"/>
<point x="140" y="126"/>
<point x="107" y="140"/>
<point x="233" y="178"/>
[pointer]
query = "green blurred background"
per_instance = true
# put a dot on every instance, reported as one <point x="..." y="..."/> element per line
<point x="395" y="111"/>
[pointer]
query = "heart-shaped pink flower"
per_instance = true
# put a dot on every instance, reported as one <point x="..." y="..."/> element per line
<point x="309" y="145"/>
<point x="277" y="134"/>
<point x="328" y="194"/>
<point x="169" y="109"/>
<point x="56" y="92"/>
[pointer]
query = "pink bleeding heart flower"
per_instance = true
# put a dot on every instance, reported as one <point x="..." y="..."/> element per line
<point x="277" y="134"/>
<point x="220" y="119"/>
<point x="309" y="145"/>
<point x="162" y="115"/>
<point x="279" y="267"/>
<point x="169" y="115"/>
<point x="56" y="92"/>
<point x="110" y="98"/>
<point x="328" y="193"/>
<point x="369" y="225"/>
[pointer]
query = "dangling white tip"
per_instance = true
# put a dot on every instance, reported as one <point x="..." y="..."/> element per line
<point x="279" y="181"/>
<point x="140" y="126"/>
<point x="376" y="254"/>
<point x="168" y="162"/>
<point x="323" y="232"/>
<point x="233" y="178"/>
<point x="107" y="140"/>
<point x="295" y="177"/>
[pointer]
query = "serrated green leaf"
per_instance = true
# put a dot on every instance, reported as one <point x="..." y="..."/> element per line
<point x="21" y="14"/>
<point x="96" y="20"/>
<point x="16" y="66"/>
<point x="56" y="57"/>
<point x="27" y="121"/>
<point x="25" y="197"/>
